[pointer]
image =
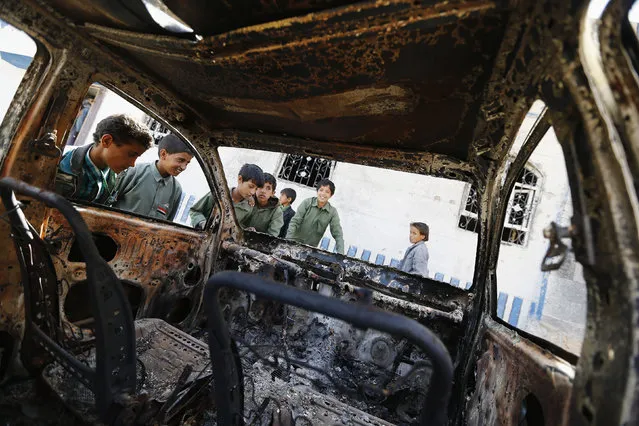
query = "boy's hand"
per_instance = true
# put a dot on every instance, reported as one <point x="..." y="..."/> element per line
<point x="251" y="201"/>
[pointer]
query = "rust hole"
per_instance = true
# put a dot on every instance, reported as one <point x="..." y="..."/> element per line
<point x="531" y="412"/>
<point x="587" y="413"/>
<point x="78" y="310"/>
<point x="598" y="361"/>
<point x="193" y="275"/>
<point x="180" y="311"/>
<point x="107" y="247"/>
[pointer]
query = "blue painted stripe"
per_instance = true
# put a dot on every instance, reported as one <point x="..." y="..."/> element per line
<point x="469" y="284"/>
<point x="513" y="318"/>
<point x="454" y="281"/>
<point x="542" y="295"/>
<point x="366" y="254"/>
<point x="379" y="260"/>
<point x="439" y="276"/>
<point x="395" y="263"/>
<point x="324" y="243"/>
<point x="501" y="304"/>
<point x="533" y="306"/>
<point x="352" y="251"/>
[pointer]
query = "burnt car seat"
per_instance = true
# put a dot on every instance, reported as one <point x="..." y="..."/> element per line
<point x="129" y="372"/>
<point x="228" y="374"/>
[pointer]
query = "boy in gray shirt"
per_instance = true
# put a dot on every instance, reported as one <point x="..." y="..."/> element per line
<point x="151" y="189"/>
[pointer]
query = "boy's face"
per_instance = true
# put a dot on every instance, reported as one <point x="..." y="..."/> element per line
<point x="174" y="164"/>
<point x="415" y="236"/>
<point x="264" y="193"/>
<point x="324" y="193"/>
<point x="120" y="157"/>
<point x="246" y="188"/>
<point x="284" y="200"/>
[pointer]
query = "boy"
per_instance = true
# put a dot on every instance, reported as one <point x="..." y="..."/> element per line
<point x="313" y="217"/>
<point x="267" y="215"/>
<point x="249" y="179"/>
<point x="287" y="197"/>
<point x="151" y="189"/>
<point x="88" y="173"/>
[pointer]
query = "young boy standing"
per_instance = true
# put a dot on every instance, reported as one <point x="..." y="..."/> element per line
<point x="267" y="215"/>
<point x="287" y="198"/>
<point x="151" y="189"/>
<point x="88" y="173"/>
<point x="249" y="179"/>
<point x="314" y="215"/>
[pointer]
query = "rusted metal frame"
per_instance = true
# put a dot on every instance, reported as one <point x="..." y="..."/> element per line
<point x="612" y="214"/>
<point x="345" y="21"/>
<point x="114" y="373"/>
<point x="102" y="62"/>
<point x="510" y="92"/>
<point x="242" y="253"/>
<point x="145" y="91"/>
<point x="395" y="159"/>
<point x="438" y="295"/>
<point x="620" y="64"/>
<point x="509" y="370"/>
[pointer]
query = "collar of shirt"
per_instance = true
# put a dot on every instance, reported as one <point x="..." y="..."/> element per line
<point x="157" y="176"/>
<point x="315" y="203"/>
<point x="93" y="175"/>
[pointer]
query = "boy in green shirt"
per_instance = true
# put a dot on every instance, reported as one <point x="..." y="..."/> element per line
<point x="88" y="173"/>
<point x="150" y="189"/>
<point x="267" y="215"/>
<point x="249" y="179"/>
<point x="314" y="215"/>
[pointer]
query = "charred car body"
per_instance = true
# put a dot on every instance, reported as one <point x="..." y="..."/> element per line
<point x="308" y="336"/>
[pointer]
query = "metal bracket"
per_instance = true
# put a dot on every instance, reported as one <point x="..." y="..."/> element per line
<point x="46" y="145"/>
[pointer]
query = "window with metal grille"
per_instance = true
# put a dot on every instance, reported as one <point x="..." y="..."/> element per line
<point x="305" y="170"/>
<point x="520" y="209"/>
<point x="468" y="216"/>
<point x="158" y="130"/>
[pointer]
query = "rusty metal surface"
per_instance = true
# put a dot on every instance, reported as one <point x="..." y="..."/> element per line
<point x="155" y="258"/>
<point x="509" y="370"/>
<point x="361" y="78"/>
<point x="359" y="75"/>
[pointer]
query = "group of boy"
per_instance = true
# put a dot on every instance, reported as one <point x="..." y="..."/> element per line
<point x="258" y="209"/>
<point x="105" y="172"/>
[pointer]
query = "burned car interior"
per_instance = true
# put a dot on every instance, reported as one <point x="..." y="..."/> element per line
<point x="515" y="122"/>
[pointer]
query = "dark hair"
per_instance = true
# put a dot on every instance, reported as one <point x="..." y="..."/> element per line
<point x="173" y="145"/>
<point x="124" y="130"/>
<point x="326" y="182"/>
<point x="422" y="228"/>
<point x="269" y="178"/>
<point x="290" y="193"/>
<point x="252" y="172"/>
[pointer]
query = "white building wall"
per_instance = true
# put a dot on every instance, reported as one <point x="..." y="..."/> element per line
<point x="377" y="205"/>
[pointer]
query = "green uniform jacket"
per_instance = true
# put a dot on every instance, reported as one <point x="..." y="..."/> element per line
<point x="202" y="210"/>
<point x="143" y="190"/>
<point x="310" y="222"/>
<point x="267" y="219"/>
